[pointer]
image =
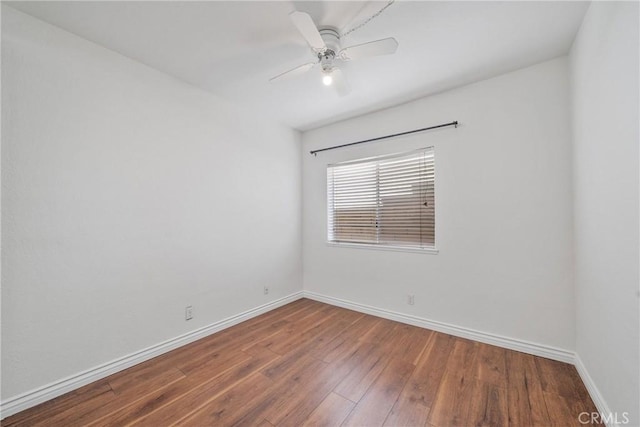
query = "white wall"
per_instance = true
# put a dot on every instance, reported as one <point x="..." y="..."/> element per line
<point x="503" y="210"/>
<point x="128" y="195"/>
<point x="604" y="74"/>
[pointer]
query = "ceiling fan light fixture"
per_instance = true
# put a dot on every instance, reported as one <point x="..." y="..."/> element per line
<point x="327" y="79"/>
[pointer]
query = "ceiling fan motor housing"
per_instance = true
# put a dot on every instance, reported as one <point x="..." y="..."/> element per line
<point x="331" y="38"/>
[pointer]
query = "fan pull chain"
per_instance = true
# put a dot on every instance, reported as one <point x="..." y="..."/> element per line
<point x="375" y="15"/>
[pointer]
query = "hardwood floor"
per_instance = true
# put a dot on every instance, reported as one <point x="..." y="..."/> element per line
<point x="312" y="364"/>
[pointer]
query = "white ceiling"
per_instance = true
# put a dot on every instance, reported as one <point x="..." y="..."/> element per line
<point x="232" y="48"/>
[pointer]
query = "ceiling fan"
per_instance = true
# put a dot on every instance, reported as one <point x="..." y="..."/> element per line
<point x="325" y="45"/>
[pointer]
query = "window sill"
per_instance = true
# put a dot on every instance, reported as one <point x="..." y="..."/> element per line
<point x="432" y="251"/>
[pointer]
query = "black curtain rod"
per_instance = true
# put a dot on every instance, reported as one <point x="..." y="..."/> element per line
<point x="315" y="152"/>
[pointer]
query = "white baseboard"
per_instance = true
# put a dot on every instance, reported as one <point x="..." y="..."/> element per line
<point x="31" y="398"/>
<point x="598" y="400"/>
<point x="458" y="331"/>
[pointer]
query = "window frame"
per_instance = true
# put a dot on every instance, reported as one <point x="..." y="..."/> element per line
<point x="387" y="246"/>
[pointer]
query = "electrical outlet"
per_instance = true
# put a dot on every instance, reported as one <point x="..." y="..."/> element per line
<point x="188" y="313"/>
<point x="411" y="299"/>
<point x="266" y="290"/>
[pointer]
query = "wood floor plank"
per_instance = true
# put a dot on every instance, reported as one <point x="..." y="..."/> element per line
<point x="581" y="404"/>
<point x="424" y="383"/>
<point x="321" y="334"/>
<point x="451" y="407"/>
<point x="223" y="348"/>
<point x="285" y="340"/>
<point x="303" y="397"/>
<point x="258" y="351"/>
<point x="151" y="376"/>
<point x="380" y="333"/>
<point x="584" y="401"/>
<point x="492" y="365"/>
<point x="488" y="406"/>
<point x="556" y="378"/>
<point x="133" y="411"/>
<point x="408" y="413"/>
<point x="199" y="395"/>
<point x="356" y="383"/>
<point x="99" y="390"/>
<point x="414" y="403"/>
<point x="70" y="416"/>
<point x="303" y="333"/>
<point x="257" y="332"/>
<point x="375" y="405"/>
<point x="221" y="410"/>
<point x="299" y="370"/>
<point x="346" y="340"/>
<point x="308" y="363"/>
<point x="292" y="310"/>
<point x="331" y="412"/>
<point x="410" y="344"/>
<point x="196" y="389"/>
<point x="287" y="365"/>
<point x="559" y="411"/>
<point x="526" y="404"/>
<point x="212" y="359"/>
<point x="131" y="393"/>
<point x="248" y="330"/>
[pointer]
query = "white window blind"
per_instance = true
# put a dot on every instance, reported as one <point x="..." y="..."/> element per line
<point x="386" y="200"/>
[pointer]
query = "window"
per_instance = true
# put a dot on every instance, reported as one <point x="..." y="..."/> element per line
<point x="383" y="201"/>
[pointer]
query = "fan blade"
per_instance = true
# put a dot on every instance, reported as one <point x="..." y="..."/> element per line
<point x="308" y="29"/>
<point x="340" y="82"/>
<point x="378" y="47"/>
<point x="301" y="69"/>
